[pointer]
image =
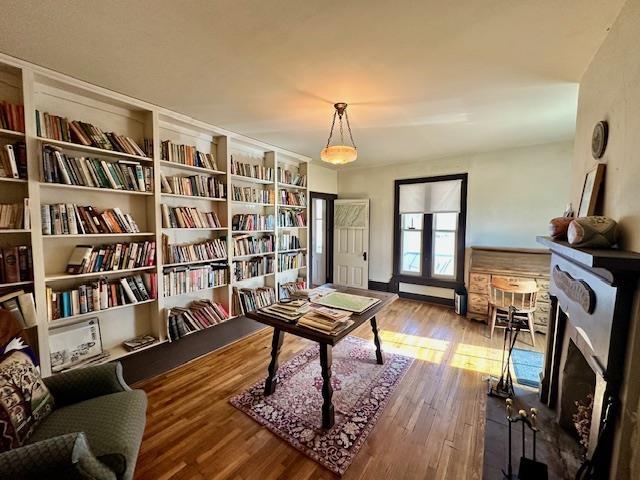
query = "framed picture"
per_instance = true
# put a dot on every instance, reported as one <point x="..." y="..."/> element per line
<point x="74" y="344"/>
<point x="590" y="190"/>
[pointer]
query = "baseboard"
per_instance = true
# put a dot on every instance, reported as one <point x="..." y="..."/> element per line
<point x="378" y="286"/>
<point x="446" y="302"/>
<point x="165" y="357"/>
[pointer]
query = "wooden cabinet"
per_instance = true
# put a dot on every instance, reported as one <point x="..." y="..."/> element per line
<point x="487" y="262"/>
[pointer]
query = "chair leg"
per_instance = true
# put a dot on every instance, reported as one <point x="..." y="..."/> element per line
<point x="532" y="329"/>
<point x="493" y="313"/>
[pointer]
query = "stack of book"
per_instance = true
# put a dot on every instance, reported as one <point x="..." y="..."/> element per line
<point x="253" y="195"/>
<point x="249" y="170"/>
<point x="194" y="186"/>
<point x="187" y="155"/>
<point x="291" y="178"/>
<point x="253" y="267"/>
<point x="71" y="219"/>
<point x="326" y="320"/>
<point x="250" y="299"/>
<point x="291" y="218"/>
<point x="293" y="197"/>
<point x="290" y="289"/>
<point x="312" y="295"/>
<point x="287" y="261"/>
<point x="12" y="215"/>
<point x="199" y="315"/>
<point x="16" y="264"/>
<point x="93" y="172"/>
<point x="100" y="295"/>
<point x="59" y="128"/>
<point x="11" y="116"/>
<point x="288" y="241"/>
<point x="288" y="311"/>
<point x="117" y="256"/>
<point x="252" y="221"/>
<point x="188" y="217"/>
<point x="249" y="245"/>
<point x="13" y="161"/>
<point x="215" y="249"/>
<point x="179" y="280"/>
<point x="139" y="342"/>
<point x="21" y="306"/>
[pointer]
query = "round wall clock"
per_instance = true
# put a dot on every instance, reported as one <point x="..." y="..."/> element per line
<point x="599" y="139"/>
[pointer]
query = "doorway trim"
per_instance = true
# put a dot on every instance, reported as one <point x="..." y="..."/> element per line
<point x="330" y="198"/>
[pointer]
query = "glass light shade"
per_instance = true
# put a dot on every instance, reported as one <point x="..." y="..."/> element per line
<point x="338" y="154"/>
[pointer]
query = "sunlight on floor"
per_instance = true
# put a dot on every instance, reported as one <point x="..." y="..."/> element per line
<point x="422" y="348"/>
<point x="477" y="359"/>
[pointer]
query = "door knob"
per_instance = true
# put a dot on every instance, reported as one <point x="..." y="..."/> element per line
<point x="364" y="256"/>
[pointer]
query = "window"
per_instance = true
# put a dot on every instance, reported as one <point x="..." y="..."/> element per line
<point x="430" y="230"/>
<point x="318" y="227"/>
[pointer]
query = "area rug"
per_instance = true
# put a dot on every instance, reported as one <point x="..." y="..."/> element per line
<point x="527" y="366"/>
<point x="361" y="390"/>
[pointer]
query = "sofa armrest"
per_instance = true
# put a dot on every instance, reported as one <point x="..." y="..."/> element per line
<point x="64" y="457"/>
<point x="82" y="384"/>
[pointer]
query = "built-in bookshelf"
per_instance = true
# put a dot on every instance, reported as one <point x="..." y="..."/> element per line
<point x="104" y="172"/>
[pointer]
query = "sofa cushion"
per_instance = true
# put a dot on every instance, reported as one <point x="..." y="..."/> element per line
<point x="113" y="424"/>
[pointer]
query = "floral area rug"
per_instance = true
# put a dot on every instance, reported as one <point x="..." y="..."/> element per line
<point x="361" y="389"/>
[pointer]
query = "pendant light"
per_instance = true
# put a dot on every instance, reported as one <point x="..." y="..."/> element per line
<point x="342" y="153"/>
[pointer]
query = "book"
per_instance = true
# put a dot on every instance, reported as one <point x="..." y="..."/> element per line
<point x="253" y="195"/>
<point x="252" y="221"/>
<point x="188" y="217"/>
<point x="139" y="342"/>
<point x="111" y="257"/>
<point x="11" y="116"/>
<point x="251" y="167"/>
<point x="214" y="249"/>
<point x="347" y="301"/>
<point x="194" y="186"/>
<point x="252" y="267"/>
<point x="200" y="314"/>
<point x="291" y="178"/>
<point x="180" y="280"/>
<point x="249" y="299"/>
<point x="12" y="216"/>
<point x="187" y="155"/>
<point x="79" y="258"/>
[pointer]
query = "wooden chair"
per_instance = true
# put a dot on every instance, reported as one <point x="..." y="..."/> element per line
<point x="520" y="293"/>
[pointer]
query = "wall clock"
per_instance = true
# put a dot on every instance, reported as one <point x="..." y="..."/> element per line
<point x="599" y="139"/>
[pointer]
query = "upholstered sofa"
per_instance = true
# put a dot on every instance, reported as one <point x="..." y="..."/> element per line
<point x="94" y="431"/>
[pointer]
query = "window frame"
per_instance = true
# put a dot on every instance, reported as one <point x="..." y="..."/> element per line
<point x="426" y="277"/>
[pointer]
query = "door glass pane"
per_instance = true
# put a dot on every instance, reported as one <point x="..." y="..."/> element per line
<point x="411" y="251"/>
<point x="318" y="233"/>
<point x="318" y="208"/>
<point x="412" y="221"/>
<point x="444" y="248"/>
<point x="446" y="221"/>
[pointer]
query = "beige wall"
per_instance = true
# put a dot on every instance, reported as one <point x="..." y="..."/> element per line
<point x="322" y="179"/>
<point x="512" y="194"/>
<point x="610" y="90"/>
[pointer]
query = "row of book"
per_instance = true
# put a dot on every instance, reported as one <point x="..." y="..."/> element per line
<point x="291" y="218"/>
<point x="249" y="299"/>
<point x="93" y="172"/>
<point x="83" y="133"/>
<point x="249" y="244"/>
<point x="179" y="280"/>
<point x="187" y="155"/>
<point x="214" y="249"/>
<point x="21" y="306"/>
<point x="252" y="221"/>
<point x="13" y="161"/>
<point x="100" y="295"/>
<point x="288" y="241"/>
<point x="293" y="197"/>
<point x="15" y="215"/>
<point x="253" y="267"/>
<point x="112" y="257"/>
<point x="253" y="195"/>
<point x="188" y="217"/>
<point x="250" y="170"/>
<point x="291" y="178"/>
<point x="11" y="116"/>
<point x="287" y="261"/>
<point x="194" y="186"/>
<point x="72" y="219"/>
<point x="16" y="264"/>
<point x="199" y="315"/>
<point x="287" y="289"/>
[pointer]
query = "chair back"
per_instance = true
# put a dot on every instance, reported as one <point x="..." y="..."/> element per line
<point x="520" y="293"/>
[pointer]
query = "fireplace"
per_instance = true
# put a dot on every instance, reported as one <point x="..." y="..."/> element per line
<point x="591" y="293"/>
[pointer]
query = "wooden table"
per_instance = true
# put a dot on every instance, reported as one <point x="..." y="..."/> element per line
<point x="326" y="342"/>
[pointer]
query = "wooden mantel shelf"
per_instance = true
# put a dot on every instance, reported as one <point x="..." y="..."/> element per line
<point x="609" y="259"/>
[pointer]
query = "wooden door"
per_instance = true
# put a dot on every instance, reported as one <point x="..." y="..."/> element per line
<point x="351" y="243"/>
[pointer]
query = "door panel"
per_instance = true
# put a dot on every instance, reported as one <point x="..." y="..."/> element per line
<point x="351" y="242"/>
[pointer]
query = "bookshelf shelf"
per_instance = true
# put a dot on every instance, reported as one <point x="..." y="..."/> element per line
<point x="293" y="250"/>
<point x="253" y="204"/>
<point x="253" y="255"/>
<point x="243" y="178"/>
<point x="11" y="133"/>
<point x="214" y="229"/>
<point x="109" y="273"/>
<point x="93" y="189"/>
<point x="13" y="180"/>
<point x="97" y="151"/>
<point x="292" y="269"/>
<point x="182" y="166"/>
<point x="288" y="185"/>
<point x="59" y="322"/>
<point x="292" y="228"/>
<point x="16" y="284"/>
<point x="194" y="197"/>
<point x="252" y="231"/>
<point x="236" y="282"/>
<point x="14" y="230"/>
<point x="196" y="291"/>
<point x="293" y="207"/>
<point x="194" y="262"/>
<point x="101" y="235"/>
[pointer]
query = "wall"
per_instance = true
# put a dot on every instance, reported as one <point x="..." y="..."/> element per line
<point x="322" y="179"/>
<point x="610" y="90"/>
<point x="512" y="194"/>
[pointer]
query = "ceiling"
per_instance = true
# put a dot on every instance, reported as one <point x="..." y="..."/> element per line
<point x="423" y="79"/>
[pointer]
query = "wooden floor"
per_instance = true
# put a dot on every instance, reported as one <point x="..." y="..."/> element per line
<point x="432" y="428"/>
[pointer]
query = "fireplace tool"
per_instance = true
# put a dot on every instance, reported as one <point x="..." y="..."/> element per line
<point x="504" y="387"/>
<point x="530" y="468"/>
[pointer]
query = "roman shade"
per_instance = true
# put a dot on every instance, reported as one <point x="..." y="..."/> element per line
<point x="431" y="197"/>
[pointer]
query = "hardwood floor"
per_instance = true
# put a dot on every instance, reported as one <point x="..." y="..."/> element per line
<point x="432" y="428"/>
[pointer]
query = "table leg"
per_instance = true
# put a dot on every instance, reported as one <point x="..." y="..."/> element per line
<point x="326" y="358"/>
<point x="276" y="344"/>
<point x="376" y="340"/>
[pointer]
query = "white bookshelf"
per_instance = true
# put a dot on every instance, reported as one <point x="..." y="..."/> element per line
<point x="40" y="89"/>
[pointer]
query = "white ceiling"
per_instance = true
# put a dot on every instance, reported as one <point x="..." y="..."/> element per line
<point x="424" y="79"/>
